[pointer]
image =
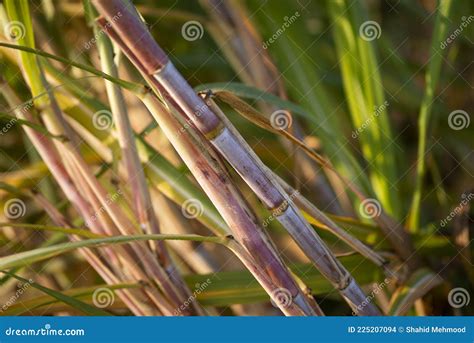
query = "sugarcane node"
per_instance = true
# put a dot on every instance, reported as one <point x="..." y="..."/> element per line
<point x="280" y="209"/>
<point x="345" y="281"/>
<point x="215" y="132"/>
<point x="206" y="94"/>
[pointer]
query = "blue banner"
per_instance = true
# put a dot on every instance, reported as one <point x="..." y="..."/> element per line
<point x="237" y="329"/>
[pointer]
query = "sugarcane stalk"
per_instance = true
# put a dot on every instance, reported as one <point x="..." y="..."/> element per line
<point x="304" y="204"/>
<point x="244" y="226"/>
<point x="241" y="44"/>
<point x="308" y="240"/>
<point x="130" y="297"/>
<point x="135" y="174"/>
<point x="161" y="73"/>
<point x="49" y="154"/>
<point x="210" y="174"/>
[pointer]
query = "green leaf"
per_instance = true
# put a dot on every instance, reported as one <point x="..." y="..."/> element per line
<point x="77" y="304"/>
<point x="240" y="287"/>
<point x="67" y="231"/>
<point x="133" y="87"/>
<point x="39" y="302"/>
<point x="18" y="11"/>
<point x="39" y="128"/>
<point x="31" y="256"/>
<point x="305" y="85"/>
<point x="368" y="108"/>
<point x="440" y="32"/>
